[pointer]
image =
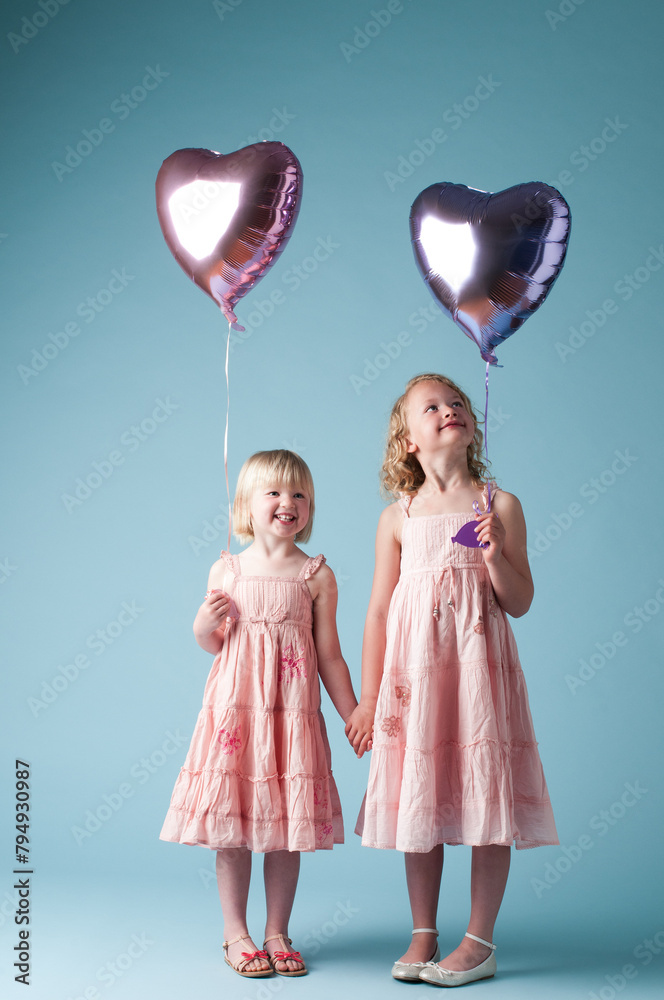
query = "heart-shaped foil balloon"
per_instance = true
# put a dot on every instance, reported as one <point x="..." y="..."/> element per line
<point x="227" y="217"/>
<point x="489" y="260"/>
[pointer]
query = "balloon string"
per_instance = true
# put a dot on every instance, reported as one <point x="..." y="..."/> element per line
<point x="228" y="408"/>
<point x="486" y="441"/>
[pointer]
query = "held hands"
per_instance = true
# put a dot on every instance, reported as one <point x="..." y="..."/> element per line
<point x="359" y="729"/>
<point x="491" y="533"/>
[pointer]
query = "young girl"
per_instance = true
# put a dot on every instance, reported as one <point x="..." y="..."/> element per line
<point x="443" y="697"/>
<point x="257" y="776"/>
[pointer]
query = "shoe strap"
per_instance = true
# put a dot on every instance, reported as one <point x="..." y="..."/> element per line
<point x="481" y="940"/>
<point x="277" y="937"/>
<point x="240" y="937"/>
<point x="425" y="930"/>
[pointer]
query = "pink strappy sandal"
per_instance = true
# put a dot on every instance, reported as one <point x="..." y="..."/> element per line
<point x="284" y="956"/>
<point x="247" y="957"/>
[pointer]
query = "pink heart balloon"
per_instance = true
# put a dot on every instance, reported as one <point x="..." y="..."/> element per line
<point x="227" y="217"/>
<point x="489" y="260"/>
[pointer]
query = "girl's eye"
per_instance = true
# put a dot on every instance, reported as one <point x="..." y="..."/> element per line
<point x="432" y="406"/>
<point x="299" y="496"/>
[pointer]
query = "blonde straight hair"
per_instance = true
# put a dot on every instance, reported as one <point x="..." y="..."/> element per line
<point x="270" y="468"/>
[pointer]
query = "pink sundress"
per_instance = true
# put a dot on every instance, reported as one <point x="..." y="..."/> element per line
<point x="454" y="757"/>
<point x="258" y="771"/>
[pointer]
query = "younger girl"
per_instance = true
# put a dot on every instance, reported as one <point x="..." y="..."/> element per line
<point x="454" y="754"/>
<point x="257" y="776"/>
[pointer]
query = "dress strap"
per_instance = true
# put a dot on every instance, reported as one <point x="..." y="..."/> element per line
<point x="404" y="502"/>
<point x="232" y="562"/>
<point x="485" y="493"/>
<point x="311" y="566"/>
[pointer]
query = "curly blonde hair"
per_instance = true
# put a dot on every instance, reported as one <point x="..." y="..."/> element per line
<point x="401" y="472"/>
<point x="269" y="468"/>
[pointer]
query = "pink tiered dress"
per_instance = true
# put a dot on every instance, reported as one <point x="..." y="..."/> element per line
<point x="454" y="757"/>
<point x="258" y="770"/>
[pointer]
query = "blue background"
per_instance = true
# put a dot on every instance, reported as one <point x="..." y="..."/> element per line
<point x="581" y="382"/>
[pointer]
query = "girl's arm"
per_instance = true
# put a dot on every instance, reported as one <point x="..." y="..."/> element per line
<point x="331" y="664"/>
<point x="386" y="575"/>
<point x="506" y="557"/>
<point x="210" y="622"/>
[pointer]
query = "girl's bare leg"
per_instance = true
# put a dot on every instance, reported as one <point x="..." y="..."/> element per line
<point x="423" y="875"/>
<point x="233" y="877"/>
<point x="281" y="870"/>
<point x="490" y="868"/>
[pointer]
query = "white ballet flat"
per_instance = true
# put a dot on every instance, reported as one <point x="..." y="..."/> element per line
<point x="432" y="973"/>
<point x="410" y="971"/>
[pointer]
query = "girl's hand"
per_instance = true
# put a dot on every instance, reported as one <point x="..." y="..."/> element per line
<point x="210" y="621"/>
<point x="506" y="557"/>
<point x="214" y="611"/>
<point x="359" y="729"/>
<point x="491" y="532"/>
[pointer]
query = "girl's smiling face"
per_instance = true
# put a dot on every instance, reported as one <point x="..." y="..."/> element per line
<point x="279" y="510"/>
<point x="437" y="418"/>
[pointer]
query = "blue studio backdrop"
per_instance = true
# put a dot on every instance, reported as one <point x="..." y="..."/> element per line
<point x="114" y="404"/>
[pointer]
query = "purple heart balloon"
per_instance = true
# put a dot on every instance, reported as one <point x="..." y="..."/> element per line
<point x="489" y="260"/>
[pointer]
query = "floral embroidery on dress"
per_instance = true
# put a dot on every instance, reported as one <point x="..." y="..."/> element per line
<point x="320" y="798"/>
<point x="391" y="725"/>
<point x="292" y="664"/>
<point x="490" y="597"/>
<point x="479" y="628"/>
<point x="230" y="740"/>
<point x="324" y="831"/>
<point x="403" y="695"/>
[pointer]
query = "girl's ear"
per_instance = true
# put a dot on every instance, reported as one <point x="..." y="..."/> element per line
<point x="411" y="448"/>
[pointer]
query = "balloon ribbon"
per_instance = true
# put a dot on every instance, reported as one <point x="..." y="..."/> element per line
<point x="467" y="534"/>
<point x="228" y="408"/>
<point x="486" y="441"/>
